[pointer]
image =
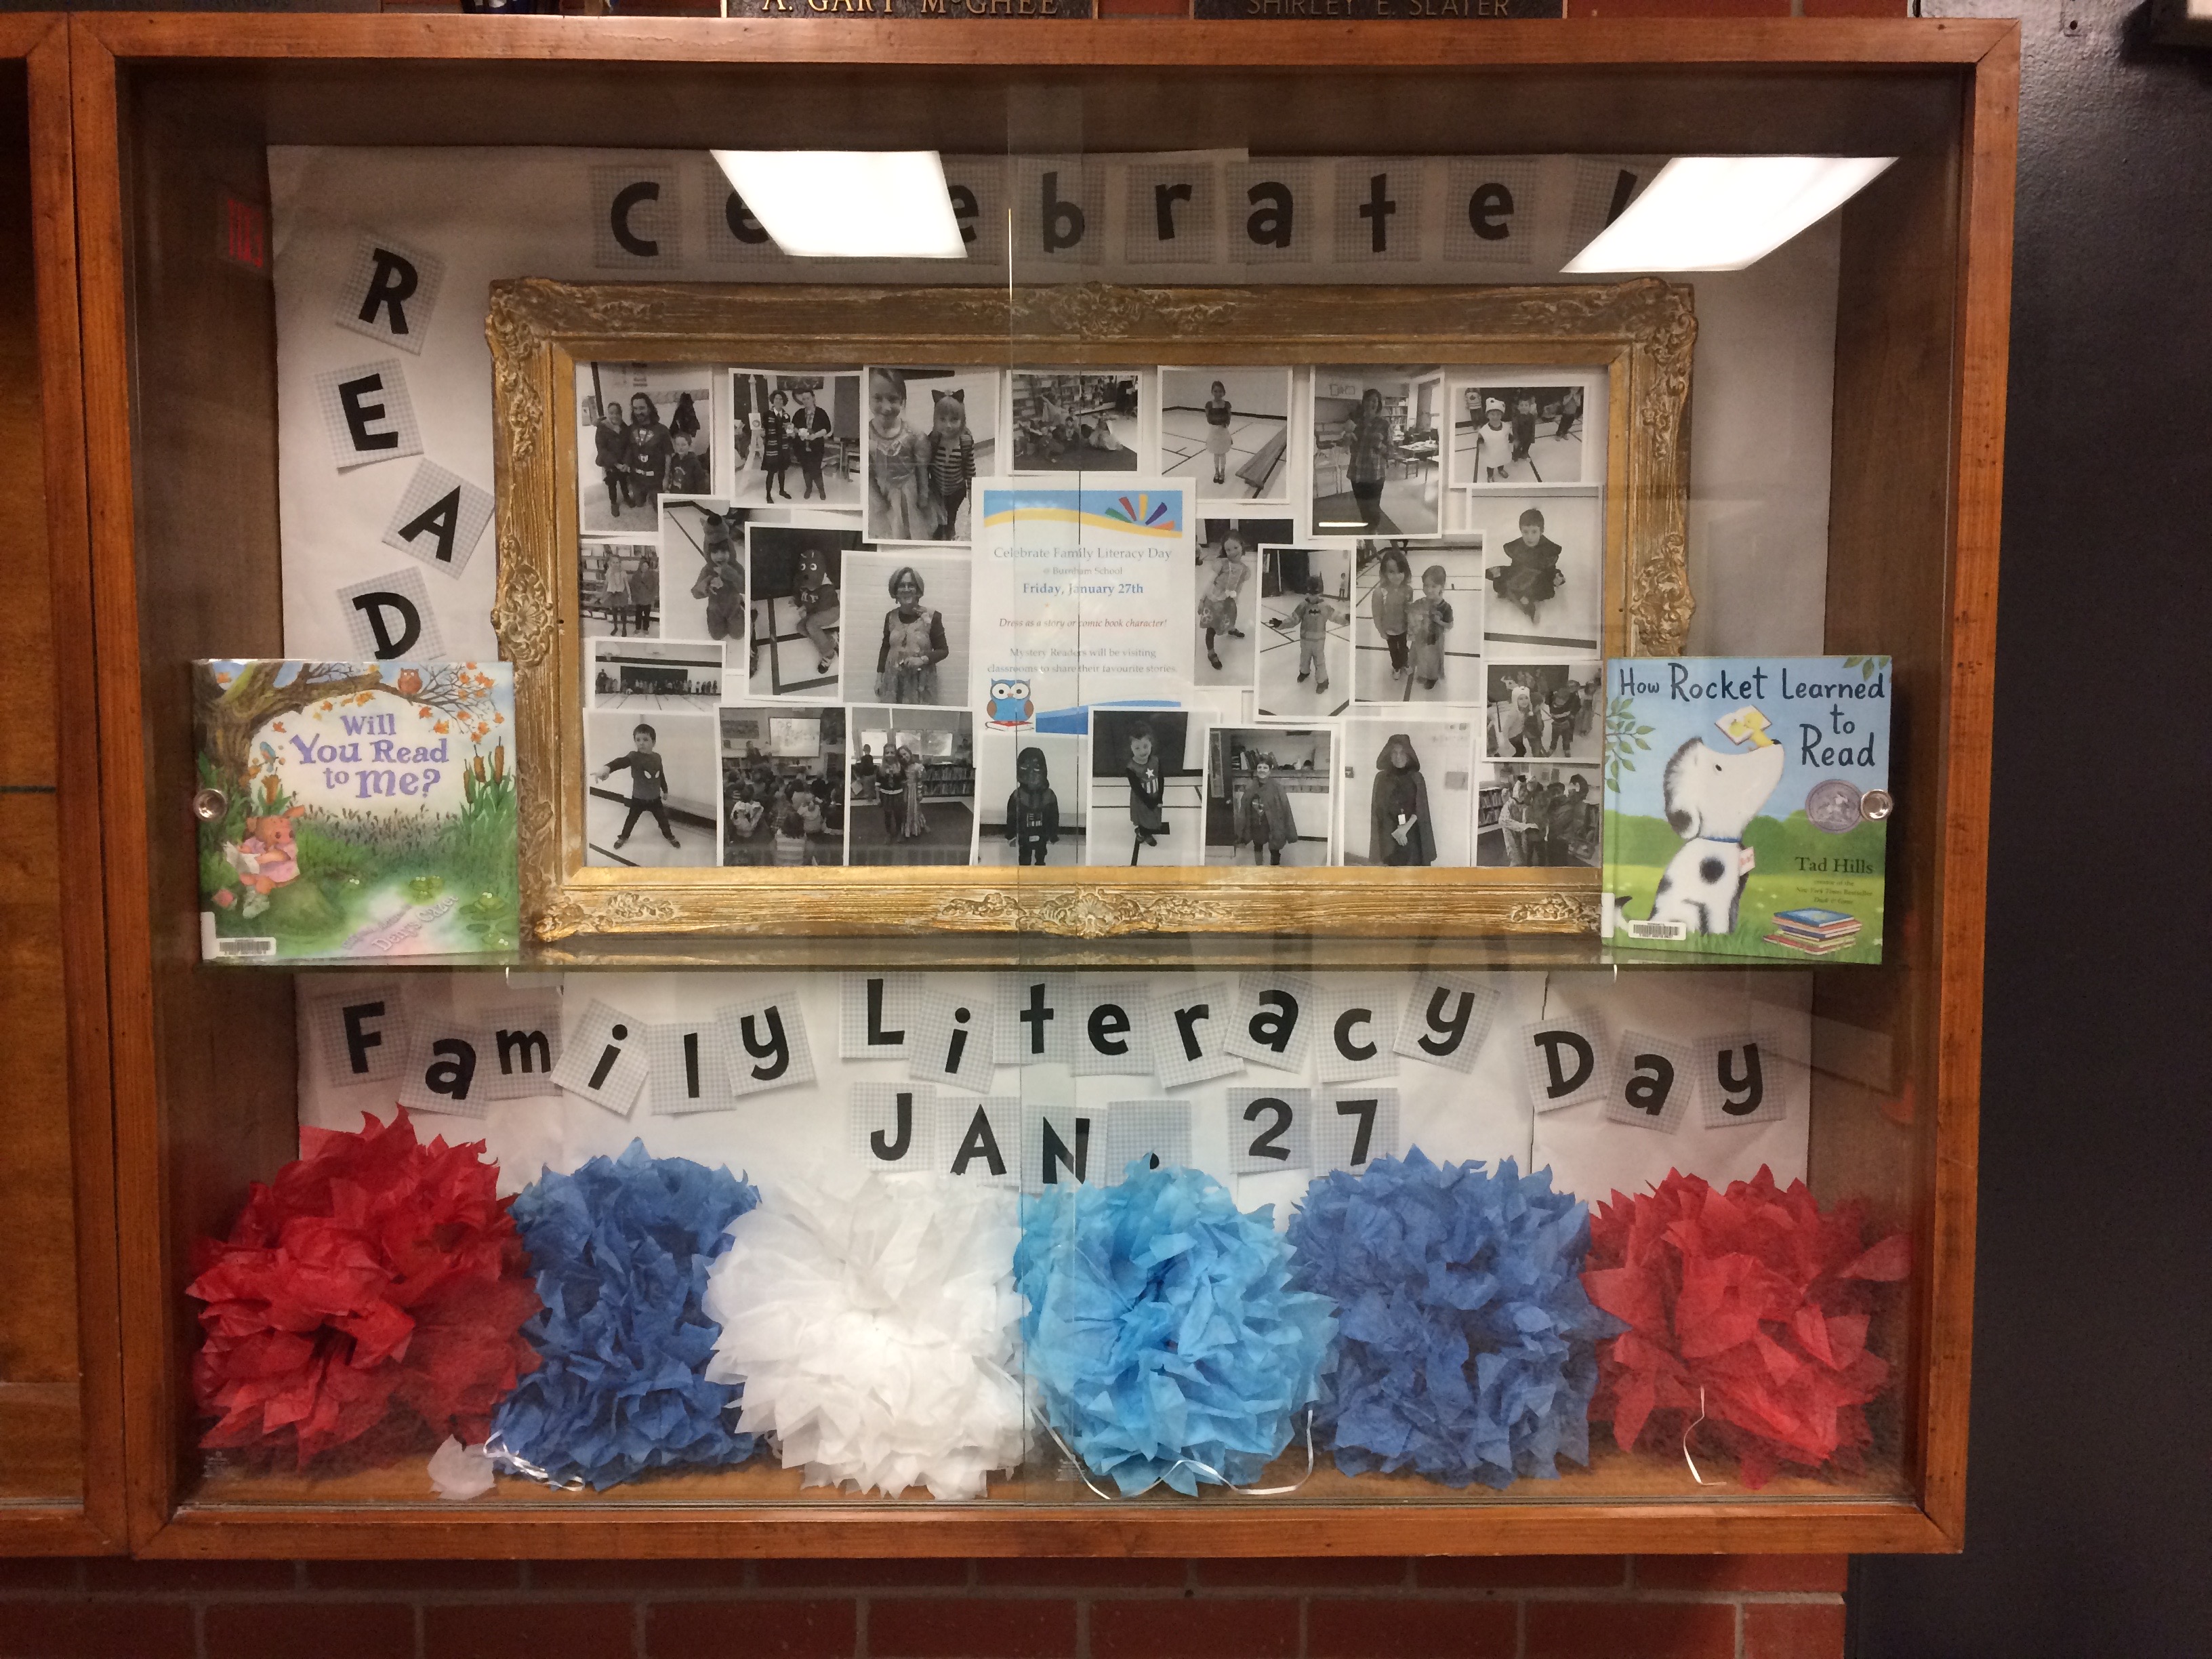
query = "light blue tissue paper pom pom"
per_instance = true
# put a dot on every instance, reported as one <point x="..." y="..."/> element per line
<point x="1164" y="1341"/>
<point x="621" y="1250"/>
<point x="1467" y="1348"/>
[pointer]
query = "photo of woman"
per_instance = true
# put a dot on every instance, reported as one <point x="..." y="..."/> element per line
<point x="796" y="425"/>
<point x="916" y="803"/>
<point x="628" y="416"/>
<point x="917" y="655"/>
<point x="1377" y="454"/>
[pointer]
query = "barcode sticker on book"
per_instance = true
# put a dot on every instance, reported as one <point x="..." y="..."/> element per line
<point x="245" y="947"/>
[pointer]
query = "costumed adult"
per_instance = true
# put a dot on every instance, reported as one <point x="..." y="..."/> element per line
<point x="1401" y="830"/>
<point x="645" y="455"/>
<point x="891" y="790"/>
<point x="1370" y="460"/>
<point x="610" y="441"/>
<point x="913" y="825"/>
<point x="913" y="644"/>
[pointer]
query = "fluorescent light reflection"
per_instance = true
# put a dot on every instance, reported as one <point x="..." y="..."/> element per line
<point x="1725" y="212"/>
<point x="847" y="204"/>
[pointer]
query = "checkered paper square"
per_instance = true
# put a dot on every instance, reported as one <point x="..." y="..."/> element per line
<point x="980" y="1139"/>
<point x="1183" y="199"/>
<point x="1273" y="1023"/>
<point x="764" y="1041"/>
<point x="389" y="618"/>
<point x="690" y="1072"/>
<point x="977" y="186"/>
<point x="637" y="216"/>
<point x="440" y="520"/>
<point x="954" y="1040"/>
<point x="1107" y="1018"/>
<point x="1059" y="210"/>
<point x="1653" y="1079"/>
<point x="604" y="1060"/>
<point x="445" y="1070"/>
<point x="1353" y="1037"/>
<point x="1268" y="212"/>
<point x="1186" y="1030"/>
<point x="368" y="414"/>
<point x="733" y="234"/>
<point x="1490" y="210"/>
<point x="521" y="1046"/>
<point x="1270" y="1130"/>
<point x="1352" y="1128"/>
<point x="361" y="1036"/>
<point x="390" y="292"/>
<point x="1446" y="1020"/>
<point x="1601" y="189"/>
<point x="875" y="1015"/>
<point x="892" y="1126"/>
<point x="1379" y="200"/>
<point x="1156" y="1131"/>
<point x="1061" y="1146"/>
<point x="1567" y="1060"/>
<point x="1036" y="1019"/>
<point x="1744" y="1076"/>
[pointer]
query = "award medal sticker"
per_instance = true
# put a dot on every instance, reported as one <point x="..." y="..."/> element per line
<point x="1011" y="707"/>
<point x="1833" y="804"/>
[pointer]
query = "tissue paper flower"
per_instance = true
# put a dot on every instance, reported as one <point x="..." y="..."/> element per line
<point x="1164" y="1333"/>
<point x="377" y="1284"/>
<point x="621" y="1249"/>
<point x="1748" y="1307"/>
<point x="1467" y="1348"/>
<point x="871" y="1317"/>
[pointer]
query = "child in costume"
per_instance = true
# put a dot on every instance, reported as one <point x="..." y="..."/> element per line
<point x="644" y="596"/>
<point x="648" y="784"/>
<point x="1032" y="809"/>
<point x="1493" y="445"/>
<point x="1513" y="822"/>
<point x="1217" y="606"/>
<point x="1147" y="787"/>
<point x="805" y="439"/>
<point x="897" y="456"/>
<point x="1428" y="619"/>
<point x="721" y="581"/>
<point x="1265" y="817"/>
<point x="1531" y="572"/>
<point x="1217" y="417"/>
<point x="951" y="462"/>
<point x="1398" y="809"/>
<point x="912" y="825"/>
<point x="1393" y="593"/>
<point x="687" y="466"/>
<point x="912" y="644"/>
<point x="1311" y="617"/>
<point x="775" y="443"/>
<point x="891" y="790"/>
<point x="790" y="849"/>
<point x="818" y="610"/>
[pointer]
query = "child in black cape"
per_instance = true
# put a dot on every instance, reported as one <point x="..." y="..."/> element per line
<point x="1266" y="821"/>
<point x="1032" y="809"/>
<point x="1399" y="815"/>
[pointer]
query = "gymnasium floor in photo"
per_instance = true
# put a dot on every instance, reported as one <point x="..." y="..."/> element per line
<point x="603" y="812"/>
<point x="1254" y="466"/>
<point x="1282" y="696"/>
<point x="1236" y="654"/>
<point x="786" y="662"/>
<point x="1461" y="684"/>
<point x="1551" y="458"/>
<point x="1111" y="836"/>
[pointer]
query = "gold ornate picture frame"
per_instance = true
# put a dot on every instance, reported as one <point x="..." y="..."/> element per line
<point x="1639" y="334"/>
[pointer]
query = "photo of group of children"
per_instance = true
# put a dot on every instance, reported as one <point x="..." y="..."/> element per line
<point x="775" y="591"/>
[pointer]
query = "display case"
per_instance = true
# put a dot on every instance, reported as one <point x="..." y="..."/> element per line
<point x="61" y="1473"/>
<point x="1293" y="541"/>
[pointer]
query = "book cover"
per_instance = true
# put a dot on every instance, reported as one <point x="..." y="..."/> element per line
<point x="354" y="808"/>
<point x="1745" y="801"/>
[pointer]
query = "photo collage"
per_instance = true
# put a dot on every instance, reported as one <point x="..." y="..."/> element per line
<point x="1394" y="613"/>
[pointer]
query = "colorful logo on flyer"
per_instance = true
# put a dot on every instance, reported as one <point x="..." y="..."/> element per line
<point x="1011" y="707"/>
<point x="1138" y="513"/>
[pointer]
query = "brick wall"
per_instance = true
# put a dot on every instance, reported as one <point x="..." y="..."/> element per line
<point x="1543" y="1607"/>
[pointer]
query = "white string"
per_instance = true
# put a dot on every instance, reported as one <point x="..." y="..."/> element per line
<point x="514" y="1463"/>
<point x="1690" y="1431"/>
<point x="1205" y="1469"/>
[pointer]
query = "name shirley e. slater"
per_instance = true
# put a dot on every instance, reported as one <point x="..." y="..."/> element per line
<point x="1261" y="12"/>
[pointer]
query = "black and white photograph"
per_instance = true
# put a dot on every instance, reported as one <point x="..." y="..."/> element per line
<point x="652" y="793"/>
<point x="1078" y="420"/>
<point x="1147" y="799"/>
<point x="702" y="548"/>
<point x="932" y="433"/>
<point x="643" y="430"/>
<point x="1225" y="432"/>
<point x="1540" y="815"/>
<point x="1305" y="633"/>
<point x="1409" y="793"/>
<point x="1029" y="798"/>
<point x="1417" y="634"/>
<point x="795" y="436"/>
<point x="913" y="787"/>
<point x="653" y="676"/>
<point x="912" y="639"/>
<point x="1544" y="565"/>
<point x="1270" y="797"/>
<point x="783" y="795"/>
<point x="1517" y="434"/>
<point x="1378" y="452"/>
<point x="618" y="589"/>
<point x="797" y="573"/>
<point x="1543" y="711"/>
<point x="1228" y="554"/>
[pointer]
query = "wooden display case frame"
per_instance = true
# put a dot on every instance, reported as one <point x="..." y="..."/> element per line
<point x="1922" y="336"/>
<point x="60" y="956"/>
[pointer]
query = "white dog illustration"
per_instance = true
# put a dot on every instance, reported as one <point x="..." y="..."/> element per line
<point x="1710" y="797"/>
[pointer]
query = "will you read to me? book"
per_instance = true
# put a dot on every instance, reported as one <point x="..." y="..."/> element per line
<point x="354" y="808"/>
<point x="1745" y="800"/>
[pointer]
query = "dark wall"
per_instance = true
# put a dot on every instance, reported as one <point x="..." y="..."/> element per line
<point x="2089" y="1497"/>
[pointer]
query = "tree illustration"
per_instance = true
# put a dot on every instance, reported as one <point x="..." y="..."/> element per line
<point x="233" y="707"/>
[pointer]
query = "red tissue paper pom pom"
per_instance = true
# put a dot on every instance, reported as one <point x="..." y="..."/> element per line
<point x="375" y="1276"/>
<point x="1748" y="1307"/>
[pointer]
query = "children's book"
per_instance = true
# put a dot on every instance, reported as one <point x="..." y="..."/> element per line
<point x="1744" y="806"/>
<point x="354" y="808"/>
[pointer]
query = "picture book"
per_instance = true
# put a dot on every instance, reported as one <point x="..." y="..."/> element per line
<point x="354" y="808"/>
<point x="1745" y="800"/>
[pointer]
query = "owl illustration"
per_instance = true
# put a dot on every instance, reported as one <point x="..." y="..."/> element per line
<point x="409" y="682"/>
<point x="1010" y="702"/>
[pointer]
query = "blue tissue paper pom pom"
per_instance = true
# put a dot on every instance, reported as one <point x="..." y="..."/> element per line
<point x="621" y="1250"/>
<point x="1467" y="1349"/>
<point x="1164" y="1340"/>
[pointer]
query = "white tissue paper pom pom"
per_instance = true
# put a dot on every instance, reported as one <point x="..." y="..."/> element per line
<point x="872" y="1318"/>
